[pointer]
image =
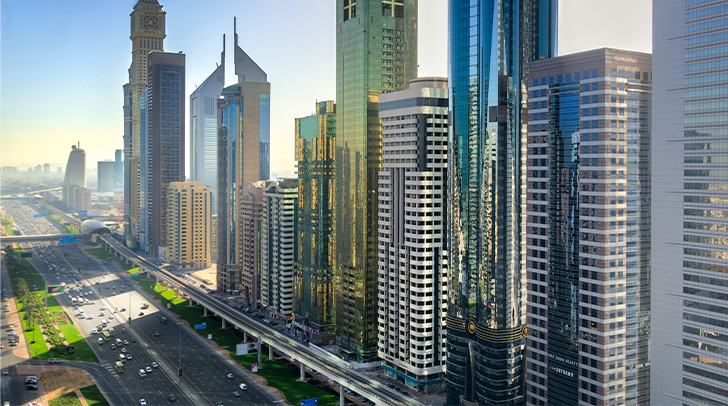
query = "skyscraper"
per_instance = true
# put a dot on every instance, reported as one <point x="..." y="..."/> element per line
<point x="690" y="203"/>
<point x="105" y="176"/>
<point x="376" y="52"/>
<point x="164" y="138"/>
<point x="412" y="300"/>
<point x="76" y="167"/>
<point x="203" y="127"/>
<point x="118" y="170"/>
<point x="588" y="234"/>
<point x="243" y="154"/>
<point x="147" y="34"/>
<point x="314" y="302"/>
<point x="278" y="247"/>
<point x="492" y="44"/>
<point x="252" y="208"/>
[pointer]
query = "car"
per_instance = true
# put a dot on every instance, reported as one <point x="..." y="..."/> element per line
<point x="148" y="369"/>
<point x="123" y="350"/>
<point x="32" y="387"/>
<point x="156" y="334"/>
<point x="230" y="376"/>
<point x="126" y="342"/>
<point x="13" y="344"/>
<point x="101" y="314"/>
<point x="237" y="394"/>
<point x="154" y="365"/>
<point x="113" y="346"/>
<point x="103" y="308"/>
<point x="123" y="309"/>
<point x="243" y="386"/>
<point x="141" y="313"/>
<point x="172" y="398"/>
<point x="31" y="379"/>
<point x="90" y="316"/>
<point x="94" y="331"/>
<point x="54" y="361"/>
<point x="5" y="371"/>
<point x="128" y="356"/>
<point x="142" y="402"/>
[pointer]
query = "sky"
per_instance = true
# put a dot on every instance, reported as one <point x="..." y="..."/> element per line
<point x="63" y="63"/>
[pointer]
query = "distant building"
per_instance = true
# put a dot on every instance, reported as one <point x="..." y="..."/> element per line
<point x="188" y="225"/>
<point x="77" y="198"/>
<point x="163" y="136"/>
<point x="412" y="300"/>
<point x="243" y="155"/>
<point x="315" y="284"/>
<point x="105" y="175"/>
<point x="203" y="128"/>
<point x="76" y="167"/>
<point x="246" y="279"/>
<point x="38" y="169"/>
<point x="118" y="171"/>
<point x="46" y="168"/>
<point x="588" y="233"/>
<point x="278" y="248"/>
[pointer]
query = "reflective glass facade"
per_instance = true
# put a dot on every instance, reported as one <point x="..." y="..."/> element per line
<point x="376" y="52"/>
<point x="690" y="195"/>
<point x="588" y="229"/>
<point x="492" y="44"/>
<point x="203" y="129"/>
<point x="314" y="301"/>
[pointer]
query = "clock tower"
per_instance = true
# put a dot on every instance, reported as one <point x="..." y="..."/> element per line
<point x="147" y="35"/>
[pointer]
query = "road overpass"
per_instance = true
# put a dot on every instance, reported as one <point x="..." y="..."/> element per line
<point x="329" y="365"/>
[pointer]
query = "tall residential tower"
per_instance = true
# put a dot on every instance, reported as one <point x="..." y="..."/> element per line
<point x="492" y="44"/>
<point x="690" y="195"/>
<point x="376" y="52"/>
<point x="412" y="297"/>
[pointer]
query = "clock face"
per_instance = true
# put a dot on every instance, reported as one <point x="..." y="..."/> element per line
<point x="150" y="23"/>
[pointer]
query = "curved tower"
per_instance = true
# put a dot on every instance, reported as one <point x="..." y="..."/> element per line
<point x="492" y="43"/>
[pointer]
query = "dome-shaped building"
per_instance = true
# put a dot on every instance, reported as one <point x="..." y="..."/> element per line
<point x="94" y="227"/>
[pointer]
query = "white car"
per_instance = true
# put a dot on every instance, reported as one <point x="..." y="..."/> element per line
<point x="101" y="314"/>
<point x="149" y="370"/>
<point x="94" y="331"/>
<point x="90" y="316"/>
<point x="154" y="365"/>
<point x="142" y="402"/>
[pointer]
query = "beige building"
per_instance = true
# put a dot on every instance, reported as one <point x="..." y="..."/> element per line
<point x="188" y="223"/>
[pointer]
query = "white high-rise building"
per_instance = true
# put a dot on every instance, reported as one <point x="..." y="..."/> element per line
<point x="278" y="247"/>
<point x="689" y="345"/>
<point x="412" y="280"/>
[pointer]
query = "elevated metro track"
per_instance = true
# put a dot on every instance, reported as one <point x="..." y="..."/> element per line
<point x="330" y="366"/>
<point x="35" y="238"/>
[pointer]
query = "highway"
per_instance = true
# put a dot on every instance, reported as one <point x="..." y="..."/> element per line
<point x="329" y="366"/>
<point x="205" y="371"/>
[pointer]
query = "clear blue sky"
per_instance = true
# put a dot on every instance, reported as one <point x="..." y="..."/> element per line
<point x="63" y="63"/>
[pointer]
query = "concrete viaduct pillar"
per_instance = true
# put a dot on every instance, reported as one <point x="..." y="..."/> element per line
<point x="189" y="303"/>
<point x="224" y="324"/>
<point x="260" y="352"/>
<point x="342" y="398"/>
<point x="245" y="336"/>
<point x="303" y="373"/>
<point x="204" y="312"/>
<point x="270" y="352"/>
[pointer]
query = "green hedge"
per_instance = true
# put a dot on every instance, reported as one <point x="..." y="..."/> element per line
<point x="93" y="396"/>
<point x="69" y="399"/>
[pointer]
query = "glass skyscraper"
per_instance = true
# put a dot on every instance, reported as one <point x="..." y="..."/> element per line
<point x="376" y="52"/>
<point x="492" y="44"/>
<point x="588" y="229"/>
<point x="203" y="128"/>
<point x="689" y="344"/>
<point x="314" y="303"/>
<point x="243" y="154"/>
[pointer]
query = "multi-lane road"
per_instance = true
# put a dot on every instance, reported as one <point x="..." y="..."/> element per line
<point x="171" y="346"/>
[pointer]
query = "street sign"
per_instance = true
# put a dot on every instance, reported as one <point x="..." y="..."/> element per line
<point x="254" y="367"/>
<point x="309" y="402"/>
<point x="169" y="305"/>
<point x="26" y="254"/>
<point x="209" y="336"/>
<point x="200" y="326"/>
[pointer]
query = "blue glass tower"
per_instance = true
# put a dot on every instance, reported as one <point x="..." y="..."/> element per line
<point x="492" y="44"/>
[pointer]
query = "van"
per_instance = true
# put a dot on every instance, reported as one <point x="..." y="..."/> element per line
<point x="103" y="323"/>
<point x="164" y="320"/>
<point x="142" y="373"/>
<point x="80" y="311"/>
<point x="122" y="357"/>
<point x="118" y="341"/>
<point x="31" y="379"/>
<point x="111" y="331"/>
